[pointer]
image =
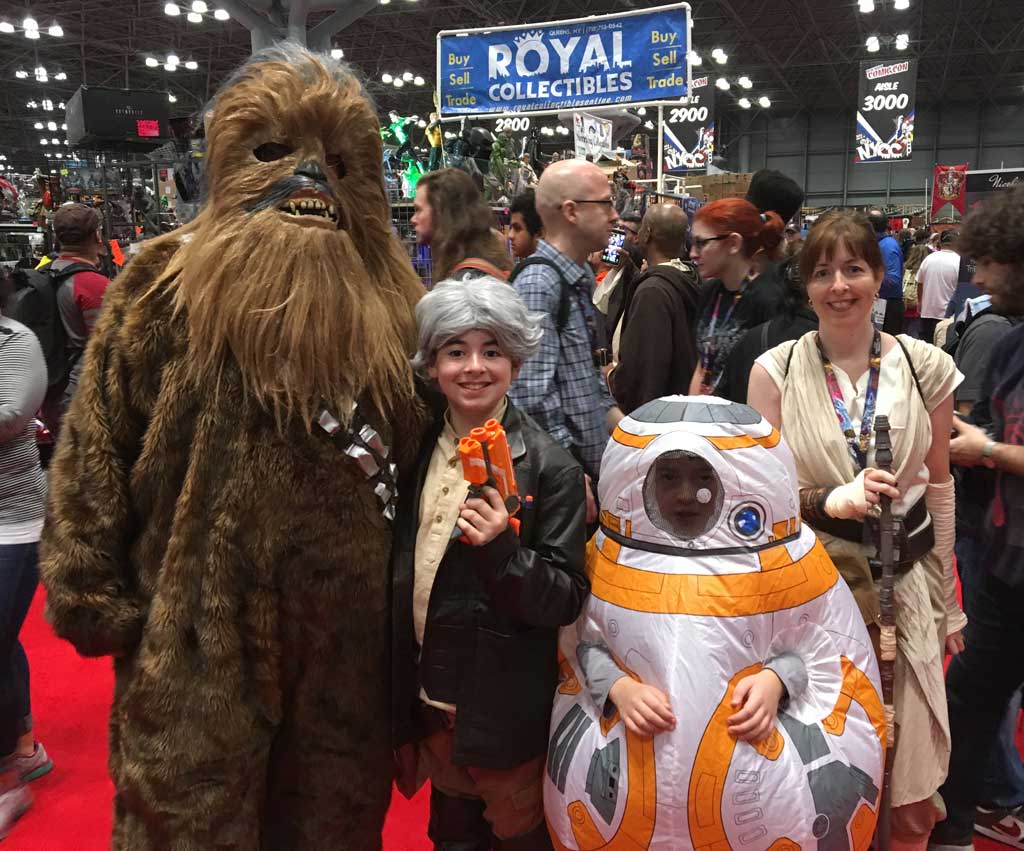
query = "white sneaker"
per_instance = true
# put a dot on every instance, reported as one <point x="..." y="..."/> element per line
<point x="1004" y="826"/>
<point x="13" y="804"/>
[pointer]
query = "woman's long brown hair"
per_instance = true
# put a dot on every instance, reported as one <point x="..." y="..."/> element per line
<point x="462" y="223"/>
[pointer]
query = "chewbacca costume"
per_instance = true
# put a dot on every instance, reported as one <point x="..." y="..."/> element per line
<point x="210" y="527"/>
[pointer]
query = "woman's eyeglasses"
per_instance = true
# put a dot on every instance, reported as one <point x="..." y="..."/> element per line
<point x="700" y="244"/>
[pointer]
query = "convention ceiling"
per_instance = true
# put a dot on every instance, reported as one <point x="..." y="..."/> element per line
<point x="802" y="53"/>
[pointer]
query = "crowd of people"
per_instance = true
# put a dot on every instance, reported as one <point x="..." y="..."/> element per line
<point x="807" y="332"/>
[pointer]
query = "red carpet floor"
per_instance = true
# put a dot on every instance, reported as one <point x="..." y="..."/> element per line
<point x="72" y="810"/>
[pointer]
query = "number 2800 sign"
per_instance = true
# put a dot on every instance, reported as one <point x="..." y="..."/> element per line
<point x="889" y="102"/>
<point x="519" y="124"/>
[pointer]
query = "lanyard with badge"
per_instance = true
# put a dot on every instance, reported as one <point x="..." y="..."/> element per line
<point x="857" y="444"/>
<point x="708" y="350"/>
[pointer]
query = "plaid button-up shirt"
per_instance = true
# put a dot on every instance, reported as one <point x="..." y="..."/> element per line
<point x="559" y="386"/>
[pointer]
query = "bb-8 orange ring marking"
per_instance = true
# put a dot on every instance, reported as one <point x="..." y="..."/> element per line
<point x="784" y="586"/>
<point x="717" y="747"/>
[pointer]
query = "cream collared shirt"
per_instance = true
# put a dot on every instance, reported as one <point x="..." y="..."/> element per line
<point x="444" y="490"/>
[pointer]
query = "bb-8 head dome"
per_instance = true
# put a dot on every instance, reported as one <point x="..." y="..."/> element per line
<point x="745" y="498"/>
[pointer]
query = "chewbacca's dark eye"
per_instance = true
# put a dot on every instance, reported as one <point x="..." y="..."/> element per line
<point x="337" y="165"/>
<point x="268" y="152"/>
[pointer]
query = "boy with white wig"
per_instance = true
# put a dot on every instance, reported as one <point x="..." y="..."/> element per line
<point x="477" y="606"/>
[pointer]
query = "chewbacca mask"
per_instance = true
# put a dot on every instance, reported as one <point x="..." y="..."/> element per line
<point x="291" y="267"/>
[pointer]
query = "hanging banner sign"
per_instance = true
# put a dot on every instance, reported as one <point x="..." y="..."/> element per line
<point x="885" y="111"/>
<point x="593" y="135"/>
<point x="635" y="57"/>
<point x="949" y="187"/>
<point x="689" y="134"/>
<point x="983" y="185"/>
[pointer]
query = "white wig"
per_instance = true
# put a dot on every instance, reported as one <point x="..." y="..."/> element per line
<point x="482" y="304"/>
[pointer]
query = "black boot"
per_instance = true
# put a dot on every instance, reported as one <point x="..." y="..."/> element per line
<point x="537" y="839"/>
<point x="457" y="824"/>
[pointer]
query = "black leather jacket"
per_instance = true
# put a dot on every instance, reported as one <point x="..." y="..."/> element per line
<point x="491" y="640"/>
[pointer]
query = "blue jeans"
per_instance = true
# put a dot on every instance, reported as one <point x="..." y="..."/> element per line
<point x="1001" y="782"/>
<point x="979" y="683"/>
<point x="19" y="576"/>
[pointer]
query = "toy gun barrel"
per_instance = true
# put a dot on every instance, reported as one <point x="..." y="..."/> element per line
<point x="487" y="462"/>
<point x="888" y="553"/>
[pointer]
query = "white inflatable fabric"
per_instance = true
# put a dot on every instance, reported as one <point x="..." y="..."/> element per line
<point x="692" y="600"/>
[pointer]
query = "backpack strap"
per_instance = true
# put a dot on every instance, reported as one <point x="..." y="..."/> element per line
<point x="562" y="318"/>
<point x="481" y="265"/>
<point x="913" y="372"/>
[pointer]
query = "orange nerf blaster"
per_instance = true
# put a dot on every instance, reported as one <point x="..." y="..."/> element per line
<point x="487" y="462"/>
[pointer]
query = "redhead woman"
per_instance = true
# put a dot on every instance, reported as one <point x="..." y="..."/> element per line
<point x="729" y="240"/>
<point x="823" y="392"/>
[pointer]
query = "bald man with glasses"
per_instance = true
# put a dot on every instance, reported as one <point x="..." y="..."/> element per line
<point x="561" y="387"/>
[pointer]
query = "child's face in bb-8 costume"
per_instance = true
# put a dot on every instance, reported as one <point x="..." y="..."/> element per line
<point x="687" y="494"/>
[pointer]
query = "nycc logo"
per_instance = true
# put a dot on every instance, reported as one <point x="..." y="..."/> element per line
<point x="887" y="70"/>
<point x="699" y="82"/>
<point x="895" y="150"/>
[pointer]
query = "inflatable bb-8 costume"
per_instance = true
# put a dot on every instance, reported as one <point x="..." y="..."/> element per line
<point x="693" y="615"/>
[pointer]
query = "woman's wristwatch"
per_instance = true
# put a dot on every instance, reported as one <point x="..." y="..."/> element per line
<point x="986" y="454"/>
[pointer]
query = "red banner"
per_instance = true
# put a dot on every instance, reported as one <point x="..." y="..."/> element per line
<point x="949" y="187"/>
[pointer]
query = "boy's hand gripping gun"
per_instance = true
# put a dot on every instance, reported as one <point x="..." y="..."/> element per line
<point x="487" y="462"/>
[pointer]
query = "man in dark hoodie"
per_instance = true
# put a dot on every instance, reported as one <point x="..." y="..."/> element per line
<point x="657" y="349"/>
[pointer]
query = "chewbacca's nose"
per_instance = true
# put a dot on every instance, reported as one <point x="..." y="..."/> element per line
<point x="311" y="169"/>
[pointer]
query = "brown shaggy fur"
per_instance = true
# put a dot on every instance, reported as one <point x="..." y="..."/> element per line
<point x="230" y="558"/>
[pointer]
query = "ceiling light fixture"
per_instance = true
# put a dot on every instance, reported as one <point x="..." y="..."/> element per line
<point x="745" y="82"/>
<point x="337" y="53"/>
<point x="21" y="74"/>
<point x="151" y="62"/>
<point x="221" y="14"/>
<point x="51" y="125"/>
<point x="192" y="65"/>
<point x="873" y="44"/>
<point x="172" y="98"/>
<point x="172" y="59"/>
<point x="419" y="81"/>
<point x="399" y="82"/>
<point x="38" y="125"/>
<point x="43" y="142"/>
<point x="902" y="41"/>
<point x="744" y="102"/>
<point x="169" y="66"/>
<point x="30" y="24"/>
<point x="694" y="58"/>
<point x="60" y="105"/>
<point x="642" y="110"/>
<point x="172" y="9"/>
<point x="408" y="76"/>
<point x="386" y="78"/>
<point x="722" y="83"/>
<point x="60" y="75"/>
<point x="56" y="30"/>
<point x="6" y="26"/>
<point x="194" y="18"/>
<point x="199" y="6"/>
<point x="901" y="5"/>
<point x="720" y="56"/>
<point x="866" y="6"/>
<point x="764" y="102"/>
<point x="32" y="34"/>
